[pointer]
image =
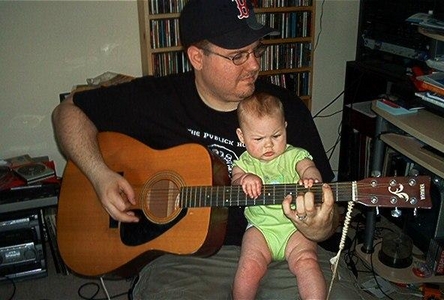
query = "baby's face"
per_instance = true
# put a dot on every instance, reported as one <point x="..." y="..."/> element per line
<point x="265" y="138"/>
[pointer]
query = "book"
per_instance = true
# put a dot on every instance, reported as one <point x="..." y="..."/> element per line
<point x="433" y="82"/>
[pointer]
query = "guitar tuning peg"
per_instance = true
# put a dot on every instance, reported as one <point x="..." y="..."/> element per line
<point x="377" y="210"/>
<point x="396" y="213"/>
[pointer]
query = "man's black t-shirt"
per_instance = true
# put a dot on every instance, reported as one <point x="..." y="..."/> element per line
<point x="163" y="112"/>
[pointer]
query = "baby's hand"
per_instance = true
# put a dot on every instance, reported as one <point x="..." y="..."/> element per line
<point x="252" y="185"/>
<point x="308" y="182"/>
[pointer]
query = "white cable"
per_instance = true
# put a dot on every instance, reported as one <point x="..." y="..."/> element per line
<point x="334" y="261"/>
<point x="104" y="288"/>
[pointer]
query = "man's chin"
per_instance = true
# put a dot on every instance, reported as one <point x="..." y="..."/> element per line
<point x="247" y="91"/>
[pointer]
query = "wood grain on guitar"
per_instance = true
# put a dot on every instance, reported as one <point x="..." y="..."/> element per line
<point x="182" y="193"/>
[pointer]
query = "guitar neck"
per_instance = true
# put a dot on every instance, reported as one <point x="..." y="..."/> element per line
<point x="225" y="196"/>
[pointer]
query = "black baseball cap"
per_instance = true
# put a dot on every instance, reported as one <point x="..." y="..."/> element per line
<point x="230" y="24"/>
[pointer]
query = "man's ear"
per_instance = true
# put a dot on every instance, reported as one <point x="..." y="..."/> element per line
<point x="240" y="135"/>
<point x="195" y="56"/>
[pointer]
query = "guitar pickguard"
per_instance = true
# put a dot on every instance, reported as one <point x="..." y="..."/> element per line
<point x="134" y="234"/>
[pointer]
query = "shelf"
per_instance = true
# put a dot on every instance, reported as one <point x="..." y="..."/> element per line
<point x="401" y="275"/>
<point x="285" y="71"/>
<point x="423" y="125"/>
<point x="411" y="148"/>
<point x="261" y="10"/>
<point x="25" y="204"/>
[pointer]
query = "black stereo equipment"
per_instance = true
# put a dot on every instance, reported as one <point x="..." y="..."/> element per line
<point x="384" y="34"/>
<point x="22" y="253"/>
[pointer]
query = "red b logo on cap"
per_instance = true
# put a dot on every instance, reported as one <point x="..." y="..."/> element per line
<point x="244" y="12"/>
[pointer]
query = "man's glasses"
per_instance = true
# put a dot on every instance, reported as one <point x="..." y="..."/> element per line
<point x="242" y="57"/>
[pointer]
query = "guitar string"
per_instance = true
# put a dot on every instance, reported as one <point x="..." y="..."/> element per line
<point x="202" y="192"/>
<point x="362" y="196"/>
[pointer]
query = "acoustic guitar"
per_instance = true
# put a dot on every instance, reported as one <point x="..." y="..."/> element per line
<point x="182" y="195"/>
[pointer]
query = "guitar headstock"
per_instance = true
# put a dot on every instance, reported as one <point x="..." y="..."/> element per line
<point x="401" y="192"/>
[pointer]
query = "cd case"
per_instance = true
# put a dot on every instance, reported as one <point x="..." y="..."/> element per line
<point x="34" y="172"/>
<point x="30" y="169"/>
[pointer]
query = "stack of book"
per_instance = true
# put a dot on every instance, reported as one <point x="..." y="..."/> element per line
<point x="433" y="94"/>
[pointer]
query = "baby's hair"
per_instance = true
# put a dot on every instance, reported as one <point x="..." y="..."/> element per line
<point x="259" y="105"/>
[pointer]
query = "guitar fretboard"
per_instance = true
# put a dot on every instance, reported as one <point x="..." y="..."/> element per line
<point x="226" y="196"/>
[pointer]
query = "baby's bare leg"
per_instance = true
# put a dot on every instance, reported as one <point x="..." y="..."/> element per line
<point x="253" y="263"/>
<point x="302" y="258"/>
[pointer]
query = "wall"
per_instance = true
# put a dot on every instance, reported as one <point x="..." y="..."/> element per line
<point x="48" y="46"/>
<point x="337" y="41"/>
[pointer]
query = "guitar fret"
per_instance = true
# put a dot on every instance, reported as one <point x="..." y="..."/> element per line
<point x="231" y="193"/>
<point x="264" y="194"/>
<point x="274" y="194"/>
<point x="337" y="192"/>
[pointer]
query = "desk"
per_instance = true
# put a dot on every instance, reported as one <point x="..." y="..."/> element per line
<point x="406" y="134"/>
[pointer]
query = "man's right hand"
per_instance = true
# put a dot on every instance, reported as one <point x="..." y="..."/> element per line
<point x="117" y="196"/>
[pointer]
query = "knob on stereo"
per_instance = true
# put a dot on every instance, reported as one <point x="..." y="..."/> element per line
<point x="29" y="254"/>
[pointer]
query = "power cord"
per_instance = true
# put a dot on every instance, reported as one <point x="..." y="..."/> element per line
<point x="14" y="287"/>
<point x="92" y="295"/>
<point x="375" y="278"/>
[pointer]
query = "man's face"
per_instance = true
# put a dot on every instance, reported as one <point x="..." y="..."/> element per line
<point x="222" y="83"/>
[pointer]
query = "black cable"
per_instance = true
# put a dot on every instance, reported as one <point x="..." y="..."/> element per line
<point x="14" y="287"/>
<point x="332" y="114"/>
<point x="98" y="288"/>
<point x="328" y="105"/>
<point x="338" y="140"/>
<point x="321" y="17"/>
<point x="374" y="275"/>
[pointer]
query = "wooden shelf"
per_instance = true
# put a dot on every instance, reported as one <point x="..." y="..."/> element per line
<point x="412" y="148"/>
<point x="423" y="125"/>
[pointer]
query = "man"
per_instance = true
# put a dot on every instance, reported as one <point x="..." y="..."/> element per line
<point x="223" y="42"/>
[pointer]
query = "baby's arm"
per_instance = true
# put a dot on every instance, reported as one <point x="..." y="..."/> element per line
<point x="251" y="184"/>
<point x="308" y="173"/>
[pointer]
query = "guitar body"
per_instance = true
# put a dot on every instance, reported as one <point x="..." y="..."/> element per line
<point x="91" y="244"/>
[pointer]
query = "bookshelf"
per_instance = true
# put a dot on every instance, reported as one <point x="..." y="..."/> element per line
<point x="288" y="61"/>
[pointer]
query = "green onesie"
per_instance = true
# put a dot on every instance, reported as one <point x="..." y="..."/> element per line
<point x="270" y="219"/>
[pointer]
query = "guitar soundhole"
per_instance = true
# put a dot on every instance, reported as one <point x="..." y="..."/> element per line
<point x="159" y="197"/>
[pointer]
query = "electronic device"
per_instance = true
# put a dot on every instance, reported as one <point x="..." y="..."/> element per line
<point x="384" y="34"/>
<point x="22" y="254"/>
